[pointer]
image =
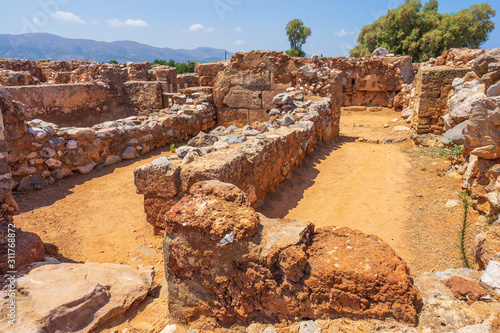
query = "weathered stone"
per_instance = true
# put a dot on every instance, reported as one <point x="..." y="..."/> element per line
<point x="47" y="152"/>
<point x="456" y="134"/>
<point x="380" y="52"/>
<point x="157" y="180"/>
<point x="442" y="311"/>
<point x="284" y="269"/>
<point x="112" y="159"/>
<point x="282" y="99"/>
<point x="494" y="90"/>
<point x="487" y="246"/>
<point x="29" y="248"/>
<point x="202" y="140"/>
<point x="482" y="135"/>
<point x="78" y="297"/>
<point x="129" y="153"/>
<point x="61" y="173"/>
<point x="190" y="157"/>
<point x="184" y="150"/>
<point x="491" y="275"/>
<point x="232" y="139"/>
<point x="32" y="182"/>
<point x="87" y="168"/>
<point x="53" y="163"/>
<point x="465" y="290"/>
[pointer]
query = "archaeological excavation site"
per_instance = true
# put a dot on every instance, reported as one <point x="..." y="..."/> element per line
<point x="265" y="193"/>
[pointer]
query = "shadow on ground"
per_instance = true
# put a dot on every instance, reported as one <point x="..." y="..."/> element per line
<point x="291" y="191"/>
<point x="48" y="195"/>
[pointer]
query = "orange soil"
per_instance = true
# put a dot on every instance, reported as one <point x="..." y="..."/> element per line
<point x="376" y="188"/>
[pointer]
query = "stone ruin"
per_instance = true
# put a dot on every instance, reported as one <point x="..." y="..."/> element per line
<point x="71" y="117"/>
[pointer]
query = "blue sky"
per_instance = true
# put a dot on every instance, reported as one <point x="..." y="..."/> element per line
<point x="234" y="25"/>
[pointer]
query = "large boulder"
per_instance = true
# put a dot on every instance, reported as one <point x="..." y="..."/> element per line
<point x="76" y="297"/>
<point x="486" y="66"/>
<point x="482" y="134"/>
<point x="224" y="260"/>
<point x="455" y="134"/>
<point x="460" y="103"/>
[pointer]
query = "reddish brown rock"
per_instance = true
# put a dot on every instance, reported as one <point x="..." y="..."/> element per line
<point x="465" y="290"/>
<point x="224" y="260"/>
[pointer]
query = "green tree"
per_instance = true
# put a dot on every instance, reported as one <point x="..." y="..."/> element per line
<point x="113" y="62"/>
<point x="297" y="34"/>
<point x="184" y="67"/>
<point x="422" y="32"/>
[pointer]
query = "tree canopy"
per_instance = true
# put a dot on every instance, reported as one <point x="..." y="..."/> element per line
<point x="422" y="32"/>
<point x="297" y="34"/>
<point x="182" y="67"/>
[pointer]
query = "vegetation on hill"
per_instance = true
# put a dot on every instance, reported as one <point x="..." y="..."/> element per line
<point x="297" y="34"/>
<point x="422" y="32"/>
<point x="182" y="67"/>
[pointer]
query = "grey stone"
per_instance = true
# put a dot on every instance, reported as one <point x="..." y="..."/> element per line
<point x="61" y="173"/>
<point x="407" y="113"/>
<point x="286" y="121"/>
<point x="274" y="112"/>
<point x="175" y="107"/>
<point x="32" y="182"/>
<point x="282" y="99"/>
<point x="386" y="140"/>
<point x="112" y="159"/>
<point x="86" y="168"/>
<point x="491" y="275"/>
<point x="72" y="144"/>
<point x="37" y="132"/>
<point x="456" y="134"/>
<point x="380" y="52"/>
<point x="161" y="160"/>
<point x="129" y="153"/>
<point x="47" y="152"/>
<point x="53" y="163"/>
<point x="190" y="157"/>
<point x="399" y="139"/>
<point x="232" y="139"/>
<point x="219" y="145"/>
<point x="207" y="150"/>
<point x="184" y="150"/>
<point x="494" y="90"/>
<point x="57" y="141"/>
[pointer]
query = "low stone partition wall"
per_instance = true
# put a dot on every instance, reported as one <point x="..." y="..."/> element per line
<point x="433" y="87"/>
<point x="41" y="153"/>
<point x="257" y="161"/>
<point x="71" y="104"/>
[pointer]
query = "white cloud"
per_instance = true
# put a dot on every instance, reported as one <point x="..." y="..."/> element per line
<point x="94" y="22"/>
<point x="238" y="29"/>
<point x="67" y="16"/>
<point x="128" y="23"/>
<point x="239" y="42"/>
<point x="200" y="27"/>
<point x="343" y="33"/>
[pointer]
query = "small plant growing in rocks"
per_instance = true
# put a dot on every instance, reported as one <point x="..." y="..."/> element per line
<point x="464" y="230"/>
<point x="172" y="148"/>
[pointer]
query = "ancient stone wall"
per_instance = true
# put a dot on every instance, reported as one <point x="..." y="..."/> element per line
<point x="26" y="247"/>
<point x="433" y="86"/>
<point x="244" y="91"/>
<point x="258" y="159"/>
<point x="41" y="152"/>
<point x="208" y="72"/>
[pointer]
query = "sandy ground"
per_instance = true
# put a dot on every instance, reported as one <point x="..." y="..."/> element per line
<point x="377" y="188"/>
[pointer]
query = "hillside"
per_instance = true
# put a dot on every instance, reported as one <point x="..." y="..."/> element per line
<point x="36" y="46"/>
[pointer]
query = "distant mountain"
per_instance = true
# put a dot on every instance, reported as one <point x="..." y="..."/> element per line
<point x="35" y="46"/>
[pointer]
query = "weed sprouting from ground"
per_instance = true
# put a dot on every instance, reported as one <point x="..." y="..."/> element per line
<point x="452" y="152"/>
<point x="464" y="230"/>
<point x="172" y="148"/>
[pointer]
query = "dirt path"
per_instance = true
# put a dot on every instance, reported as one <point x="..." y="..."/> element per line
<point x="361" y="186"/>
<point x="376" y="188"/>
